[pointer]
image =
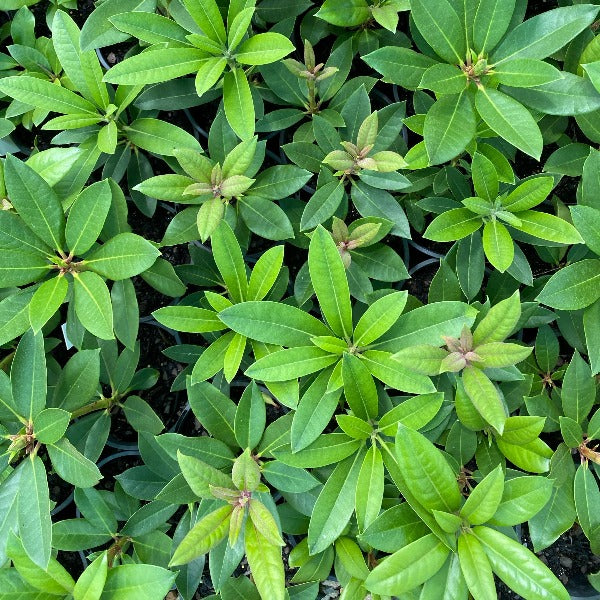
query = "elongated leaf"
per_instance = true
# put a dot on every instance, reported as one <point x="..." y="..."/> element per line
<point x="485" y="397"/>
<point x="545" y="33"/>
<point x="284" y="365"/>
<point x="36" y="202"/>
<point x="475" y="567"/>
<point x="87" y="216"/>
<point x="431" y="479"/>
<point x="330" y="283"/>
<point x="510" y="120"/>
<point x="573" y="287"/>
<point x="154" y="66"/>
<point x="206" y="534"/>
<point x="137" y="582"/>
<point x="237" y="100"/>
<point x="265" y="561"/>
<point x="408" y="567"/>
<point x="208" y="18"/>
<point x="188" y="318"/>
<point x="440" y="25"/>
<point x="28" y="375"/>
<point x="93" y="305"/>
<point x="46" y="301"/>
<point x="334" y="505"/>
<point x="491" y="22"/>
<point x="359" y="388"/>
<point x="369" y="488"/>
<point x="518" y="567"/>
<point x="449" y="127"/>
<point x="72" y="466"/>
<point x="35" y="525"/>
<point x="123" y="256"/>
<point x="273" y="323"/>
<point x="44" y="95"/>
<point x="483" y="501"/>
<point x="91" y="582"/>
<point x="228" y="256"/>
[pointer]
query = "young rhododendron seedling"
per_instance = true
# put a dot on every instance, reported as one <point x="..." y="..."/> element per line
<point x="358" y="156"/>
<point x="473" y="354"/>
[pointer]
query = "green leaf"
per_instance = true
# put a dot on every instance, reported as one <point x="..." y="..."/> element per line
<point x="578" y="392"/>
<point x="528" y="194"/>
<point x="273" y="323"/>
<point x="369" y="488"/>
<point x="510" y="120"/>
<point x="475" y="567"/>
<point x="453" y="224"/>
<point x="533" y="456"/>
<point x="284" y="365"/>
<point x="584" y="218"/>
<point x="250" y="417"/>
<point x="87" y="216"/>
<point x="392" y="373"/>
<point x="499" y="322"/>
<point x="379" y="317"/>
<point x="159" y="136"/>
<point x="19" y="268"/>
<point x="206" y="534"/>
<point x="46" y="96"/>
<point x="483" y="501"/>
<point x="154" y="66"/>
<point x="237" y="100"/>
<point x="431" y="478"/>
<point x="485" y="397"/>
<point x="28" y="375"/>
<point x="230" y="262"/>
<point x="92" y="304"/>
<point x="72" y="466"/>
<point x="414" y="413"/>
<point x="545" y="33"/>
<point x="526" y="73"/>
<point x="574" y="286"/>
<point x="91" y="582"/>
<point x="449" y="127"/>
<point x="440" y="25"/>
<point x="587" y="496"/>
<point x="50" y="425"/>
<point x="491" y="23"/>
<point x="519" y="568"/>
<point x="327" y="449"/>
<point x="123" y="256"/>
<point x="523" y="497"/>
<point x="207" y="16"/>
<point x="335" y="505"/>
<point x="344" y="13"/>
<point x="548" y="227"/>
<point x="36" y="202"/>
<point x="314" y="411"/>
<point x="409" y="567"/>
<point x="359" y="388"/>
<point x="137" y="582"/>
<point x="264" y="558"/>
<point x="151" y="28"/>
<point x="35" y="525"/>
<point x="264" y="48"/>
<point x="330" y="283"/>
<point x="322" y="205"/>
<point x="398" y="65"/>
<point x="190" y="319"/>
<point x="498" y="245"/>
<point x="46" y="301"/>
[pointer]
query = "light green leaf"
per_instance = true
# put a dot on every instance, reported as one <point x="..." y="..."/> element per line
<point x="72" y="466"/>
<point x="92" y="304"/>
<point x="230" y="262"/>
<point x="510" y="120"/>
<point x="574" y="286"/>
<point x="485" y="397"/>
<point x="264" y="48"/>
<point x="237" y="100"/>
<point x="156" y="65"/>
<point x="330" y="283"/>
<point x="87" y="216"/>
<point x="123" y="256"/>
<point x="498" y="245"/>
